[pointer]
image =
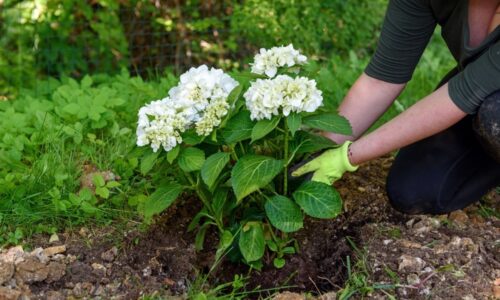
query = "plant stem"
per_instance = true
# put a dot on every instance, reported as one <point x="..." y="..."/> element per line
<point x="285" y="173"/>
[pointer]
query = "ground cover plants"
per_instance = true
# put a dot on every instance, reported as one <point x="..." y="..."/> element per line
<point x="231" y="143"/>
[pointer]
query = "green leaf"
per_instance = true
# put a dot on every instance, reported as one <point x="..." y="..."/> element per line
<point x="263" y="127"/>
<point x="190" y="137"/>
<point x="102" y="192"/>
<point x="161" y="199"/>
<point x="252" y="243"/>
<point x="86" y="82"/>
<point x="318" y="200"/>
<point x="330" y="122"/>
<point x="279" y="263"/>
<point x="238" y="128"/>
<point x="148" y="161"/>
<point x="72" y="108"/>
<point x="252" y="172"/>
<point x="172" y="154"/>
<point x="306" y="142"/>
<point x="212" y="168"/>
<point x="200" y="236"/>
<point x="284" y="214"/>
<point x="293" y="121"/>
<point x="191" y="159"/>
<point x="235" y="94"/>
<point x="218" y="202"/>
<point x="112" y="184"/>
<point x="98" y="180"/>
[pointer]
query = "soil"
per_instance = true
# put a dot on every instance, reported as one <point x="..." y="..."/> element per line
<point x="417" y="257"/>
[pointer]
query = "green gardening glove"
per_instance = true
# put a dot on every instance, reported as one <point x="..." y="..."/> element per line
<point x="329" y="166"/>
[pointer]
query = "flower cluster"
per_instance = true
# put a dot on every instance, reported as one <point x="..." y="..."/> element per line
<point x="283" y="94"/>
<point x="267" y="61"/>
<point x="199" y="101"/>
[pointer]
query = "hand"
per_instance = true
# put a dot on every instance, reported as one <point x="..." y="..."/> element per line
<point x="329" y="166"/>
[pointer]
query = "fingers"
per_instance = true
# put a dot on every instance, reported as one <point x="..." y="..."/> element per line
<point x="309" y="167"/>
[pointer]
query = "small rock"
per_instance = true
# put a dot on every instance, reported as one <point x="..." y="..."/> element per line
<point x="113" y="287"/>
<point x="59" y="258"/>
<point x="38" y="253"/>
<point x="88" y="287"/>
<point x="410" y="263"/>
<point x="146" y="272"/>
<point x="409" y="244"/>
<point x="169" y="282"/>
<point x="51" y="251"/>
<point x="387" y="242"/>
<point x="361" y="189"/>
<point x="84" y="232"/>
<point x="99" y="270"/>
<point x="496" y="292"/>
<point x="6" y="271"/>
<point x="13" y="254"/>
<point x="458" y="217"/>
<point x="328" y="296"/>
<point x="412" y="279"/>
<point x="54" y="238"/>
<point x="99" y="291"/>
<point x="288" y="296"/>
<point x="70" y="258"/>
<point x="31" y="270"/>
<point x="468" y="297"/>
<point x="55" y="295"/>
<point x="78" y="290"/>
<point x="56" y="271"/>
<point x="425" y="225"/>
<point x="9" y="294"/>
<point x="110" y="255"/>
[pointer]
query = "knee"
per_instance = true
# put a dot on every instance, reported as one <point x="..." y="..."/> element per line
<point x="406" y="195"/>
<point x="487" y="125"/>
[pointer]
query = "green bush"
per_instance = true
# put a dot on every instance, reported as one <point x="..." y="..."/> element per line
<point x="317" y="27"/>
<point x="51" y="135"/>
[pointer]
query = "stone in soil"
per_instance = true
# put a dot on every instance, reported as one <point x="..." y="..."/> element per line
<point x="110" y="255"/>
<point x="6" y="271"/>
<point x="31" y="270"/>
<point x="51" y="251"/>
<point x="9" y="294"/>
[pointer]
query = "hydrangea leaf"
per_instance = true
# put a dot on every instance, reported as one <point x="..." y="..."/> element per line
<point x="238" y="128"/>
<point x="161" y="199"/>
<point x="252" y="243"/>
<point x="293" y="121"/>
<point x="263" y="128"/>
<point x="191" y="159"/>
<point x="318" y="200"/>
<point x="284" y="214"/>
<point x="329" y="122"/>
<point x="212" y="167"/>
<point x="252" y="172"/>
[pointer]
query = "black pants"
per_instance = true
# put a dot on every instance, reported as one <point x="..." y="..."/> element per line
<point x="452" y="169"/>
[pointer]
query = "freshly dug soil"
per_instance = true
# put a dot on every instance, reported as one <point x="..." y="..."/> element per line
<point x="418" y="257"/>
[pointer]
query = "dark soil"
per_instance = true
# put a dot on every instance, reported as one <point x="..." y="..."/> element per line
<point x="163" y="260"/>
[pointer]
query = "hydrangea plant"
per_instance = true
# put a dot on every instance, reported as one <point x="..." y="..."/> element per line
<point x="231" y="142"/>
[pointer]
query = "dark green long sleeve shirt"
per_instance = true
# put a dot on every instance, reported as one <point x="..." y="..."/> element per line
<point x="406" y="31"/>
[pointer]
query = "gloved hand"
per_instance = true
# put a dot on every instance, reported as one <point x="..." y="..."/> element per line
<point x="329" y="166"/>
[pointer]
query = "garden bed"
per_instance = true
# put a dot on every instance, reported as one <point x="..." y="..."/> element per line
<point x="417" y="257"/>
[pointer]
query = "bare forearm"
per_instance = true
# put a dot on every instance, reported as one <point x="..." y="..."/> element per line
<point x="365" y="102"/>
<point x="429" y="116"/>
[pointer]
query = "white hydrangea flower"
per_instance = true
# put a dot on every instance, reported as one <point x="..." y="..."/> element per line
<point x="212" y="117"/>
<point x="268" y="61"/>
<point x="160" y="124"/>
<point x="199" y="100"/>
<point x="283" y="94"/>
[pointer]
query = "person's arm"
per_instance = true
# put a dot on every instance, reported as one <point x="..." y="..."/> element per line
<point x="427" y="117"/>
<point x="407" y="28"/>
<point x="365" y="102"/>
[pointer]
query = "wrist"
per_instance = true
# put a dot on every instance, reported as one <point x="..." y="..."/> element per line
<point x="350" y="166"/>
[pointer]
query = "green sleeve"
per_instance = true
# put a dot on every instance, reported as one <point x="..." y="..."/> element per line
<point x="407" y="28"/>
<point x="478" y="80"/>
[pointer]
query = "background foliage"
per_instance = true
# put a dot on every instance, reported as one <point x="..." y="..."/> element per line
<point x="52" y="126"/>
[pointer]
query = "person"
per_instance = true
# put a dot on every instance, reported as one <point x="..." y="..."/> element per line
<point x="449" y="141"/>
